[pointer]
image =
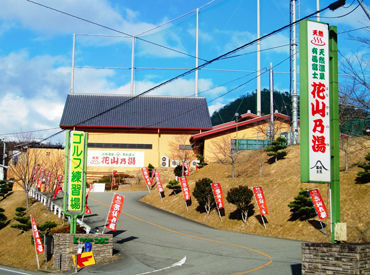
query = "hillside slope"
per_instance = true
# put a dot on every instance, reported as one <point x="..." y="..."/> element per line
<point x="281" y="183"/>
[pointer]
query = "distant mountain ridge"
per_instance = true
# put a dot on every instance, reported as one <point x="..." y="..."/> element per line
<point x="241" y="105"/>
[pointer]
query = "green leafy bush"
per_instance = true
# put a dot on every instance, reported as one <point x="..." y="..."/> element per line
<point x="301" y="208"/>
<point x="24" y="222"/>
<point x="150" y="169"/>
<point x="201" y="163"/>
<point x="275" y="150"/>
<point x="242" y="197"/>
<point x="5" y="188"/>
<point x="203" y="194"/>
<point x="178" y="171"/>
<point x="47" y="226"/>
<point x="174" y="186"/>
<point x="364" y="176"/>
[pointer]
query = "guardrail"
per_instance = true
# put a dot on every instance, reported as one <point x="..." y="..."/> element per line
<point x="55" y="208"/>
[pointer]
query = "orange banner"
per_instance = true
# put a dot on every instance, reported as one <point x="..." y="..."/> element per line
<point x="318" y="203"/>
<point x="217" y="192"/>
<point x="115" y="211"/>
<point x="36" y="237"/>
<point x="260" y="199"/>
<point x="185" y="188"/>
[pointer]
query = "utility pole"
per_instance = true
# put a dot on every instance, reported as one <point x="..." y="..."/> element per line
<point x="258" y="61"/>
<point x="3" y="167"/>
<point x="196" y="53"/>
<point x="272" y="131"/>
<point x="73" y="64"/>
<point x="132" y="86"/>
<point x="317" y="9"/>
<point x="364" y="9"/>
<point x="293" y="76"/>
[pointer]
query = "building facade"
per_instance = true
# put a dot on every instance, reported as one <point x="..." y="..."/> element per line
<point x="126" y="133"/>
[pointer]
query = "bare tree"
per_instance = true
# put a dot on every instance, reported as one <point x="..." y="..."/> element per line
<point x="22" y="170"/>
<point x="225" y="154"/>
<point x="181" y="149"/>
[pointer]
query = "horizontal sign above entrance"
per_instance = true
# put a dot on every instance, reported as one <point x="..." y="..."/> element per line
<point x="99" y="158"/>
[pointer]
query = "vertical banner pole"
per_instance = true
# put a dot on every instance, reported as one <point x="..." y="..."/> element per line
<point x="262" y="217"/>
<point x="106" y="220"/>
<point x="316" y="212"/>
<point x="334" y="130"/>
<point x="37" y="257"/>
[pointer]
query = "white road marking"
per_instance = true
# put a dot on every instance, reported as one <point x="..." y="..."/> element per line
<point x="12" y="271"/>
<point x="179" y="263"/>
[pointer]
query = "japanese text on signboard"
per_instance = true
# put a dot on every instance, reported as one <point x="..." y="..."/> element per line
<point x="318" y="98"/>
<point x="75" y="173"/>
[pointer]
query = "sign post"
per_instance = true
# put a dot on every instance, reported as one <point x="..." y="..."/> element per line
<point x="318" y="205"/>
<point x="75" y="176"/>
<point x="319" y="110"/>
<point x="217" y="195"/>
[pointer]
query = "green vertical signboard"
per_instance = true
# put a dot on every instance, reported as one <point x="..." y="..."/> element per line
<point x="75" y="176"/>
<point x="319" y="109"/>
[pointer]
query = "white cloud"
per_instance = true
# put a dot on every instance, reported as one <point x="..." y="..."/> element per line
<point x="215" y="107"/>
<point x="47" y="21"/>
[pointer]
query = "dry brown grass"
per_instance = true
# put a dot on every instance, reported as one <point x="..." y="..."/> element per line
<point x="15" y="247"/>
<point x="281" y="183"/>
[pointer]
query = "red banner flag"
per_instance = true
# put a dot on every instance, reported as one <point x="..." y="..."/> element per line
<point x="114" y="173"/>
<point x="40" y="178"/>
<point x="47" y="181"/>
<point x="87" y="208"/>
<point x="318" y="203"/>
<point x="115" y="211"/>
<point x="58" y="188"/>
<point x="185" y="188"/>
<point x="217" y="192"/>
<point x="34" y="172"/>
<point x="187" y="168"/>
<point x="159" y="183"/>
<point x="260" y="199"/>
<point x="145" y="172"/>
<point x="36" y="237"/>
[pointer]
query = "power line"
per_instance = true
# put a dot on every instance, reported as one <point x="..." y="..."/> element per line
<point x="112" y="29"/>
<point x="28" y="132"/>
<point x="204" y="64"/>
<point x="343" y="15"/>
<point x="354" y="30"/>
<point x="331" y="6"/>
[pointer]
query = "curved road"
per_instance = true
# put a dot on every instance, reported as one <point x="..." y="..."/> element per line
<point x="151" y="241"/>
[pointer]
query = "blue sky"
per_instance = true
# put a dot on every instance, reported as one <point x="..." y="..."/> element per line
<point x="36" y="50"/>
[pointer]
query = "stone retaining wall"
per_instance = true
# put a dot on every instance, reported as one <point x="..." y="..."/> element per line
<point x="327" y="258"/>
<point x="64" y="248"/>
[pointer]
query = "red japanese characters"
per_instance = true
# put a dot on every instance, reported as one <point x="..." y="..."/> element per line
<point x="115" y="211"/>
<point x="260" y="199"/>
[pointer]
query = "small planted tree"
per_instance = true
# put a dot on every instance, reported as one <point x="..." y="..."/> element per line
<point x="178" y="170"/>
<point x="203" y="194"/>
<point x="301" y="208"/>
<point x="242" y="197"/>
<point x="5" y="188"/>
<point x="364" y="176"/>
<point x="275" y="150"/>
<point x="24" y="222"/>
<point x="174" y="186"/>
<point x="201" y="163"/>
<point x="150" y="169"/>
<point x="3" y="218"/>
